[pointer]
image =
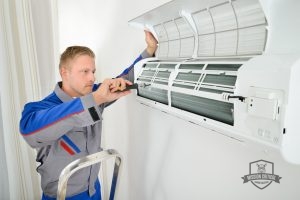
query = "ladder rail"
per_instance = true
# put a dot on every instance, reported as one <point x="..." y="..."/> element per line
<point x="87" y="161"/>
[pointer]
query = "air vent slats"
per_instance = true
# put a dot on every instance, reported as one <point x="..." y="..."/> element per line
<point x="195" y="87"/>
<point x="212" y="109"/>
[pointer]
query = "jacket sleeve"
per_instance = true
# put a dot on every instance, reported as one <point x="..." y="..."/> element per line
<point x="43" y="122"/>
<point x="128" y="73"/>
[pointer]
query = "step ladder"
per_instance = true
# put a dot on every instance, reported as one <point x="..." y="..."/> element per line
<point x="86" y="162"/>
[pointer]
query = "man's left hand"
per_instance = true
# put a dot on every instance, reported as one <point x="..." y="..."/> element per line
<point x="151" y="43"/>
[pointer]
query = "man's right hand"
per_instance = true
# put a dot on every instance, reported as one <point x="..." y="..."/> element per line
<point x="110" y="90"/>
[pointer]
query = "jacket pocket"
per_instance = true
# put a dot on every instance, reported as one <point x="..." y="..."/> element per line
<point x="72" y="143"/>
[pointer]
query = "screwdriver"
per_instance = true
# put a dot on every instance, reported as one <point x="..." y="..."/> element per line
<point x="135" y="86"/>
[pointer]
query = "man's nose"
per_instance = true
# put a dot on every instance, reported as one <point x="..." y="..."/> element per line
<point x="92" y="77"/>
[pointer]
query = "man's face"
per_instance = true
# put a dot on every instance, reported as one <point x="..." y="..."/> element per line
<point x="79" y="76"/>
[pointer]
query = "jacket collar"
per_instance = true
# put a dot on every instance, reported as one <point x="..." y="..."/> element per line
<point x="61" y="94"/>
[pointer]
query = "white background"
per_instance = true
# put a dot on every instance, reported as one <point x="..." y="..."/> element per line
<point x="165" y="158"/>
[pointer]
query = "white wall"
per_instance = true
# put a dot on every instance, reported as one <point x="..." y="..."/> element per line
<point x="165" y="158"/>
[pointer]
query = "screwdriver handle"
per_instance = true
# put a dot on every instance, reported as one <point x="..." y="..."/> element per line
<point x="134" y="86"/>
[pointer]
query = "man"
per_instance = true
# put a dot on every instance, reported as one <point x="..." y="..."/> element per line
<point x="66" y="125"/>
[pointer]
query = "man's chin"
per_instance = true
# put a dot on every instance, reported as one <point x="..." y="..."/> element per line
<point x="88" y="91"/>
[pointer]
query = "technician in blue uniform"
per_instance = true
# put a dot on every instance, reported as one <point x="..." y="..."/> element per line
<point x="67" y="124"/>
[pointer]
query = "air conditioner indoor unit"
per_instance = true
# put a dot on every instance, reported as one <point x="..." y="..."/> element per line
<point x="218" y="65"/>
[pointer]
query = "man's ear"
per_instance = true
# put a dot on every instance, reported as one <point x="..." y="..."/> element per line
<point x="63" y="72"/>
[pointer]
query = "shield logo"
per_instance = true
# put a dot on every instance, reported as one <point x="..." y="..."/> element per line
<point x="261" y="174"/>
<point x="261" y="167"/>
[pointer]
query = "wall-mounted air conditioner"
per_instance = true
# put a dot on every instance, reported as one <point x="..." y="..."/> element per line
<point x="213" y="68"/>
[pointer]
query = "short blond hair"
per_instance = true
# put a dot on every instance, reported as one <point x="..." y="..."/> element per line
<point x="72" y="52"/>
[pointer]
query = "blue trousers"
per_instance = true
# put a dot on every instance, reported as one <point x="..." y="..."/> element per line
<point x="82" y="196"/>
